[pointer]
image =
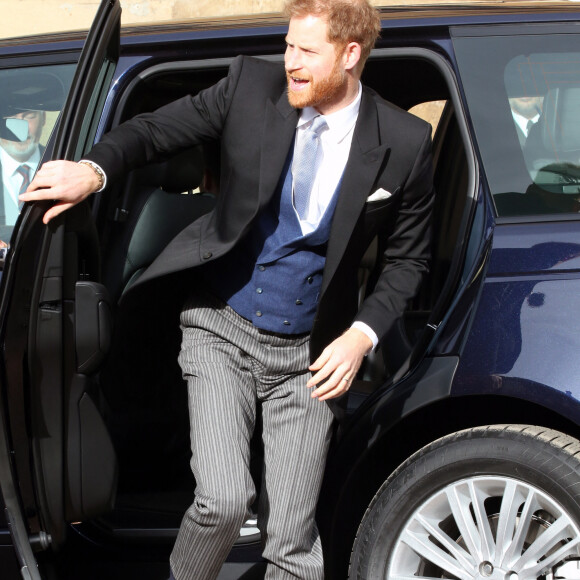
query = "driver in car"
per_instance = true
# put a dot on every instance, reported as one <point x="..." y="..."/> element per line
<point x="23" y="105"/>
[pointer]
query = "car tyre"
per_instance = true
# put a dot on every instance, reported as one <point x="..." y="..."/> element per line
<point x="499" y="502"/>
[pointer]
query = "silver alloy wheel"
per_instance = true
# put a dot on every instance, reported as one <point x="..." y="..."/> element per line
<point x="487" y="527"/>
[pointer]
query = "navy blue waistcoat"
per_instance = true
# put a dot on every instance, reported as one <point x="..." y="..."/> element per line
<point x="273" y="277"/>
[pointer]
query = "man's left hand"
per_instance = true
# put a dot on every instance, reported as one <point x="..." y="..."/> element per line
<point x="338" y="364"/>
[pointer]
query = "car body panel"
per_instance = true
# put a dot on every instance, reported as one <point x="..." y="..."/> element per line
<point x="523" y="340"/>
<point x="499" y="343"/>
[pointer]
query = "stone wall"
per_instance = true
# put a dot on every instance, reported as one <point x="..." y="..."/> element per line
<point x="22" y="17"/>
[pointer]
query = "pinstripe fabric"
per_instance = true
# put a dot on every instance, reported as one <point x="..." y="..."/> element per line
<point x="229" y="366"/>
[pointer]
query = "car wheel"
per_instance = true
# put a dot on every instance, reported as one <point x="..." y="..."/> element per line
<point x="499" y="502"/>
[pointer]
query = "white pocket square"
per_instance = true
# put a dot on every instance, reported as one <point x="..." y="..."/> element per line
<point x="379" y="194"/>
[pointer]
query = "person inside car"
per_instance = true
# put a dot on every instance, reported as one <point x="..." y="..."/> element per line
<point x="24" y="98"/>
<point x="526" y="113"/>
<point x="313" y="167"/>
<point x="18" y="160"/>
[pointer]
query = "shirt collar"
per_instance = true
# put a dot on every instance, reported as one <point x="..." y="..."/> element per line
<point x="340" y="122"/>
<point x="523" y="121"/>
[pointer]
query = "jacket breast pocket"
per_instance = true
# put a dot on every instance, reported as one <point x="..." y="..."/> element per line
<point x="382" y="198"/>
<point x="377" y="214"/>
<point x="374" y="206"/>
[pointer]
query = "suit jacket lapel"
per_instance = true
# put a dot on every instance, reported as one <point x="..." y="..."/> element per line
<point x="280" y="121"/>
<point x="366" y="157"/>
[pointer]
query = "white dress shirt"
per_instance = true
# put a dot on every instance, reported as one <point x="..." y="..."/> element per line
<point x="332" y="156"/>
<point x="524" y="123"/>
<point x="12" y="181"/>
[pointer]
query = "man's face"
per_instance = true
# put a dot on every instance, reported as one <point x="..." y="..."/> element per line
<point x="22" y="150"/>
<point x="527" y="107"/>
<point x="314" y="66"/>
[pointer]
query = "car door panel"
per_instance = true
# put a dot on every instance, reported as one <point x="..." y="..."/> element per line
<point x="58" y="330"/>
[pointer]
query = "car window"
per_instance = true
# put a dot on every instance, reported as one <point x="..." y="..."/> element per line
<point x="525" y="107"/>
<point x="31" y="99"/>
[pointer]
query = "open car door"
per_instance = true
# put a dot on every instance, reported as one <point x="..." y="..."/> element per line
<point x="57" y="463"/>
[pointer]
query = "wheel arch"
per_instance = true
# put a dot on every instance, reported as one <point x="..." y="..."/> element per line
<point x="347" y="495"/>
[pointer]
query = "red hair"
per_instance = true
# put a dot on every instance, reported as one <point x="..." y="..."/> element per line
<point x="348" y="20"/>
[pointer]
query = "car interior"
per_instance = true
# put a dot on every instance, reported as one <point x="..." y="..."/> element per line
<point x="141" y="394"/>
<point x="531" y="172"/>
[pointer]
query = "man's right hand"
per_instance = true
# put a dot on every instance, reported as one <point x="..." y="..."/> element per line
<point x="65" y="182"/>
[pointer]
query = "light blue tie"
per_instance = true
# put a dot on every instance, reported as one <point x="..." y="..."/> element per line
<point x="305" y="165"/>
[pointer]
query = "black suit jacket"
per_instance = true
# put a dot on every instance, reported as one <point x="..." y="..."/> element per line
<point x="250" y="113"/>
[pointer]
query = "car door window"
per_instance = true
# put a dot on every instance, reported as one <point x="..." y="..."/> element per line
<point x="525" y="107"/>
<point x="31" y="99"/>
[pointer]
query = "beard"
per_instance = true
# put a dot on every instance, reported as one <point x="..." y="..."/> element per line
<point x="318" y="92"/>
<point x="20" y="150"/>
<point x="527" y="108"/>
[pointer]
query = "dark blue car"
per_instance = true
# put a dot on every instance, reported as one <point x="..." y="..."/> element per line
<point x="460" y="457"/>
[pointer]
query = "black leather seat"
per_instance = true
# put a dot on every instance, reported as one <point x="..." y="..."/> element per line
<point x="146" y="400"/>
<point x="161" y="203"/>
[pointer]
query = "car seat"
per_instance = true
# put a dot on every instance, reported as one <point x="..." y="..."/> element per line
<point x="161" y="200"/>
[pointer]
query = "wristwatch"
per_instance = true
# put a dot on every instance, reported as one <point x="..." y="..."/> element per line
<point x="98" y="172"/>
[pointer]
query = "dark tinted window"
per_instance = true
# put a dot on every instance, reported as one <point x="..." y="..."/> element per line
<point x="523" y="94"/>
<point x="31" y="99"/>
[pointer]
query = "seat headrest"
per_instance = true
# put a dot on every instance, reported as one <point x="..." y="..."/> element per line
<point x="561" y="111"/>
<point x="182" y="172"/>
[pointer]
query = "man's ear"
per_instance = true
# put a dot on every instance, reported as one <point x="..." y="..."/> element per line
<point x="351" y="55"/>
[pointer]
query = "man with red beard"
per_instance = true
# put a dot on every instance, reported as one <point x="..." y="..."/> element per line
<point x="314" y="166"/>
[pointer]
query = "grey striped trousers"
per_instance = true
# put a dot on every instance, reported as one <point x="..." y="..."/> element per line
<point x="230" y="366"/>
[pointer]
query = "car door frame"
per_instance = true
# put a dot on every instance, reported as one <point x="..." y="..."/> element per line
<point x="35" y="496"/>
